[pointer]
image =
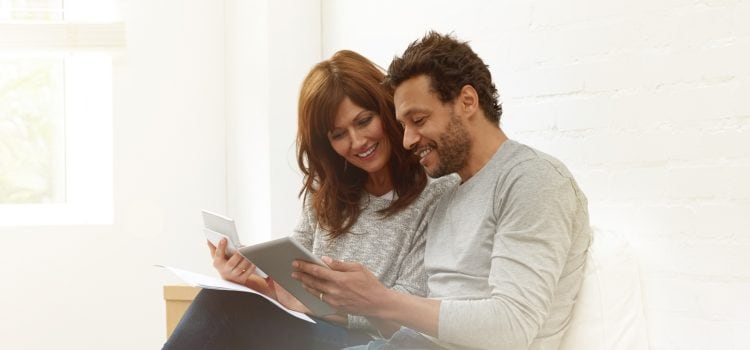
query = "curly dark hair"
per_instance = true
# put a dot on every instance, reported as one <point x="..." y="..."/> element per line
<point x="450" y="64"/>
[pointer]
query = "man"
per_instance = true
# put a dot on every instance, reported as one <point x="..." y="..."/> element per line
<point x="505" y="248"/>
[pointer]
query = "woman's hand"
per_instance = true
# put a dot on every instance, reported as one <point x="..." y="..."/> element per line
<point x="285" y="298"/>
<point x="237" y="269"/>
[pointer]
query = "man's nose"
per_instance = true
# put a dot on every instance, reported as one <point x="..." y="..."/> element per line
<point x="411" y="138"/>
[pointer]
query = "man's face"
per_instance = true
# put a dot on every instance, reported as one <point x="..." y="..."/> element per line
<point x="432" y="130"/>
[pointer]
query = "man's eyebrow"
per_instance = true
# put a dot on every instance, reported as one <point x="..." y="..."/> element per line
<point x="413" y="110"/>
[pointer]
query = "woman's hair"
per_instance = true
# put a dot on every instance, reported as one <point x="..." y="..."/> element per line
<point x="451" y="64"/>
<point x="335" y="187"/>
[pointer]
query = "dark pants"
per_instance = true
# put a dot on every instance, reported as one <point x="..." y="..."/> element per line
<point x="219" y="320"/>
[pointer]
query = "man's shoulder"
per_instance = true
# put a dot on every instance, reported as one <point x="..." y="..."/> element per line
<point x="524" y="160"/>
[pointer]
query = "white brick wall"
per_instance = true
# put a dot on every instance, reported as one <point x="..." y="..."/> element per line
<point x="648" y="102"/>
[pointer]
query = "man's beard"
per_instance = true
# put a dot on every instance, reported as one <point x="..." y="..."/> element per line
<point x="453" y="149"/>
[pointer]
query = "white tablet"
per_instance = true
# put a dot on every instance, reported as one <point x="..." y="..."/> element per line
<point x="275" y="258"/>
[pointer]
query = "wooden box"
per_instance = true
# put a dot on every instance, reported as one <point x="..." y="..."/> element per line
<point x="177" y="298"/>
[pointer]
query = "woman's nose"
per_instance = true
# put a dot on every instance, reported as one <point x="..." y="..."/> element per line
<point x="358" y="140"/>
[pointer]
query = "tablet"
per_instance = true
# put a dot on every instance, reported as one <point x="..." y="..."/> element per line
<point x="275" y="258"/>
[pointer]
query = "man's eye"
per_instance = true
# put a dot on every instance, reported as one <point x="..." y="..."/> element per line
<point x="419" y="121"/>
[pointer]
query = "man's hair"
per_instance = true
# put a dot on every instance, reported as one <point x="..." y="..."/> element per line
<point x="335" y="188"/>
<point x="450" y="64"/>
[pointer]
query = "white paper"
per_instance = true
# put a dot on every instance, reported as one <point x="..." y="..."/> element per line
<point x="209" y="282"/>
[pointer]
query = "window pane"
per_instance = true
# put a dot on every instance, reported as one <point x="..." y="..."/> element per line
<point x="31" y="10"/>
<point x="32" y="144"/>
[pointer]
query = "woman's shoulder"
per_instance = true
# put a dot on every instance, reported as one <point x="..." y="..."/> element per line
<point x="443" y="183"/>
<point x="437" y="187"/>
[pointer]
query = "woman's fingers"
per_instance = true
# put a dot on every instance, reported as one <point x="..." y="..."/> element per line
<point x="234" y="260"/>
<point x="220" y="251"/>
<point x="235" y="268"/>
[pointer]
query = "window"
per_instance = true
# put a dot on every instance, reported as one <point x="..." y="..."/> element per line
<point x="56" y="110"/>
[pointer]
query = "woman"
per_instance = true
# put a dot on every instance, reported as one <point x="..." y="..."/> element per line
<point x="366" y="200"/>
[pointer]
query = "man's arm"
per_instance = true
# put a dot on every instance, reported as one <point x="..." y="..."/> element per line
<point x="415" y="312"/>
<point x="352" y="288"/>
<point x="536" y="212"/>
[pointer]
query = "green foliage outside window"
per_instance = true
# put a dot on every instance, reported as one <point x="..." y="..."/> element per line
<point x="31" y="114"/>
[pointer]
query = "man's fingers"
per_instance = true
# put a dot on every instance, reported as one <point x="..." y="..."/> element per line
<point x="313" y="270"/>
<point x="312" y="291"/>
<point x="308" y="281"/>
<point x="339" y="265"/>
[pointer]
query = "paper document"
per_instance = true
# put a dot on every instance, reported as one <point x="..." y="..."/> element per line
<point x="209" y="282"/>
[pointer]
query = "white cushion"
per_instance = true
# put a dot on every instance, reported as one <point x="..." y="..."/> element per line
<point x="608" y="314"/>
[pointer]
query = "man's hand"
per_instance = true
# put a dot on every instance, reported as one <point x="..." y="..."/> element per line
<point x="290" y="302"/>
<point x="347" y="286"/>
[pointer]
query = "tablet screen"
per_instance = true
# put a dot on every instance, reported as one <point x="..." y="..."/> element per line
<point x="275" y="258"/>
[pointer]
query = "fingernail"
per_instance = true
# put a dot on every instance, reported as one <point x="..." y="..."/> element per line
<point x="294" y="275"/>
<point x="295" y="264"/>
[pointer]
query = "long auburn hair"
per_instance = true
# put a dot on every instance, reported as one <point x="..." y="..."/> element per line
<point x="335" y="187"/>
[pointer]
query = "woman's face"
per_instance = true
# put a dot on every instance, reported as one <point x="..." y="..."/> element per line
<point x="358" y="136"/>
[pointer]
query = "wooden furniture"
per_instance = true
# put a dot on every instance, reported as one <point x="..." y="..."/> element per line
<point x="177" y="298"/>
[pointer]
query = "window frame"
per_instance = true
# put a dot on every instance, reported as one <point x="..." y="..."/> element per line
<point x="88" y="50"/>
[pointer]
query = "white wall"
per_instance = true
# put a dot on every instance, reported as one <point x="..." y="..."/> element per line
<point x="204" y="117"/>
<point x="646" y="102"/>
<point x="93" y="287"/>
<point x="271" y="45"/>
<point x="643" y="101"/>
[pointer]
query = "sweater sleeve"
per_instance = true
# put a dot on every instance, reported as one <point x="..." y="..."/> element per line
<point x="304" y="234"/>
<point x="533" y="211"/>
<point x="412" y="278"/>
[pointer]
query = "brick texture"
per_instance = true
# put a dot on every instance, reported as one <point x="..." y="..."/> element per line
<point x="648" y="102"/>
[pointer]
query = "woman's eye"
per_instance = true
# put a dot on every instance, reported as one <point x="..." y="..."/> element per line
<point x="419" y="121"/>
<point x="366" y="120"/>
<point x="337" y="135"/>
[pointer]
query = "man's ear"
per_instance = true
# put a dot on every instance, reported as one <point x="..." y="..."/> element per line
<point x="468" y="100"/>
